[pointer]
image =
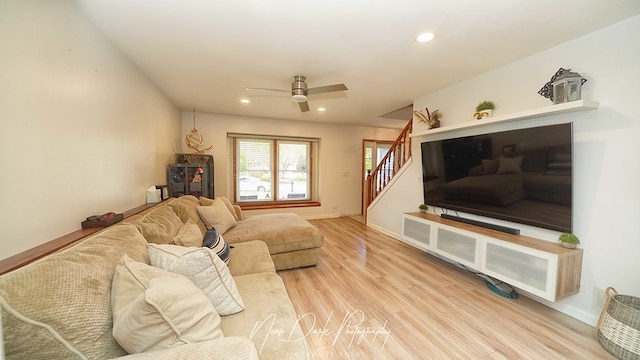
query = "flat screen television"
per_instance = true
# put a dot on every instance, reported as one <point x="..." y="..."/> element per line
<point x="523" y="176"/>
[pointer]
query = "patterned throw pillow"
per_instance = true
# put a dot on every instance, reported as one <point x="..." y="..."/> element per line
<point x="214" y="241"/>
<point x="205" y="269"/>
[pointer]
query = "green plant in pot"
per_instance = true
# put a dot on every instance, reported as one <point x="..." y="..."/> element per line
<point x="423" y="208"/>
<point x="484" y="109"/>
<point x="569" y="240"/>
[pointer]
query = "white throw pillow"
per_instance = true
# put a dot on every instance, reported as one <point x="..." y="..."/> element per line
<point x="156" y="309"/>
<point x="189" y="235"/>
<point x="205" y="269"/>
<point x="218" y="216"/>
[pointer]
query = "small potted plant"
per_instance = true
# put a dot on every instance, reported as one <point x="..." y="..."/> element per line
<point x="569" y="240"/>
<point x="423" y="208"/>
<point x="484" y="109"/>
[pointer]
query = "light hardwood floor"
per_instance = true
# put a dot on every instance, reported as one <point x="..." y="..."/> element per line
<point x="374" y="297"/>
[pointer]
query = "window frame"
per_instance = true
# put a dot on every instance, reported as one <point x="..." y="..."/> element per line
<point x="312" y="173"/>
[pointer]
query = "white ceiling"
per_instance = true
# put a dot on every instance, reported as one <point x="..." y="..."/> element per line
<point x="204" y="53"/>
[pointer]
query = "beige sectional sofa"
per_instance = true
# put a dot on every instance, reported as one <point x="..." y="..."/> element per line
<point x="60" y="306"/>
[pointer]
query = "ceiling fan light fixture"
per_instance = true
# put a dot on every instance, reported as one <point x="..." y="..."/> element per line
<point x="299" y="98"/>
<point x="299" y="94"/>
<point x="425" y="37"/>
<point x="299" y="91"/>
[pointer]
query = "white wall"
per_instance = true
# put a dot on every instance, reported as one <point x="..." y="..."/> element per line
<point x="340" y="156"/>
<point x="82" y="131"/>
<point x="606" y="152"/>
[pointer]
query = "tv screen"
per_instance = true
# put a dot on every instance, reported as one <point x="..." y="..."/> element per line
<point x="523" y="176"/>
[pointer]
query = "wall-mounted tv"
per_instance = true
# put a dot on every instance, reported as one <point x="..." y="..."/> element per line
<point x="522" y="176"/>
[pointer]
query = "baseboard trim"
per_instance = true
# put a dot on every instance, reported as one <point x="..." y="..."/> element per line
<point x="385" y="231"/>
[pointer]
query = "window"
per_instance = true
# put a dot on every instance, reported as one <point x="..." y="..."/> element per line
<point x="273" y="170"/>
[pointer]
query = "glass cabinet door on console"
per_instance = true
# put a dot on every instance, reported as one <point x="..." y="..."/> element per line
<point x="458" y="245"/>
<point x="417" y="231"/>
<point x="529" y="270"/>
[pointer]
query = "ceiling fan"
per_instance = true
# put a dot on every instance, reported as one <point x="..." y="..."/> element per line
<point x="299" y="91"/>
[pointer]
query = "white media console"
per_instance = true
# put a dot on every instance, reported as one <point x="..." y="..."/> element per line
<point x="539" y="267"/>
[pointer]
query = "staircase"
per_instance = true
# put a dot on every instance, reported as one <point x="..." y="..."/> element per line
<point x="393" y="161"/>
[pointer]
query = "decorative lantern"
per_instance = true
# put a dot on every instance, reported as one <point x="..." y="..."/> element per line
<point x="567" y="87"/>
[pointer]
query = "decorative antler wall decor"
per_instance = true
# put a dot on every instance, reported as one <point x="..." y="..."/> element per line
<point x="195" y="140"/>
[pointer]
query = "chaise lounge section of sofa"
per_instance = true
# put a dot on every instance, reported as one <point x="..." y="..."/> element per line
<point x="292" y="241"/>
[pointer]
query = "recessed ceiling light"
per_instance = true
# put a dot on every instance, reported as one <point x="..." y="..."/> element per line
<point x="425" y="37"/>
<point x="245" y="101"/>
<point x="322" y="109"/>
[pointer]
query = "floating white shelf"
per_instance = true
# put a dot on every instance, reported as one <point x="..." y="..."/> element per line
<point x="538" y="267"/>
<point x="573" y="106"/>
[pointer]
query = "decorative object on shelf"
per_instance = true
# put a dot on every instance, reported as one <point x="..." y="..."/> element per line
<point x="564" y="86"/>
<point x="567" y="87"/>
<point x="569" y="240"/>
<point x="423" y="208"/>
<point x="153" y="195"/>
<point x="100" y="221"/>
<point x="619" y="325"/>
<point x="164" y="191"/>
<point x="484" y="110"/>
<point x="195" y="140"/>
<point x="197" y="176"/>
<point x="431" y="119"/>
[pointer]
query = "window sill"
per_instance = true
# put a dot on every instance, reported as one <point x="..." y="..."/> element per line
<point x="277" y="205"/>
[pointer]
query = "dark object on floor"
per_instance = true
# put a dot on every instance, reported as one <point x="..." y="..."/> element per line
<point x="502" y="289"/>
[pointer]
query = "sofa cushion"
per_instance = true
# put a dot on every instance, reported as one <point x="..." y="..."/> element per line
<point x="205" y="269"/>
<point x="218" y="216"/>
<point x="156" y="309"/>
<point x="188" y="235"/>
<point x="58" y="307"/>
<point x="214" y="241"/>
<point x="272" y="325"/>
<point x="227" y="348"/>
<point x="281" y="232"/>
<point x="191" y="198"/>
<point x="250" y="257"/>
<point x="187" y="209"/>
<point x="160" y="225"/>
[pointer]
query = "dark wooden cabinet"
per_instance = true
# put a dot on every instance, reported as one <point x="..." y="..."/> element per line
<point x="191" y="174"/>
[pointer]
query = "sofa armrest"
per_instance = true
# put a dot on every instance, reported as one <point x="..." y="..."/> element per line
<point x="238" y="211"/>
<point x="228" y="348"/>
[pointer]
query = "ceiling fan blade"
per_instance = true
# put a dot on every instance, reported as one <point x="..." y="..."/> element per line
<point x="267" y="89"/>
<point x="326" y="89"/>
<point x="304" y="106"/>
